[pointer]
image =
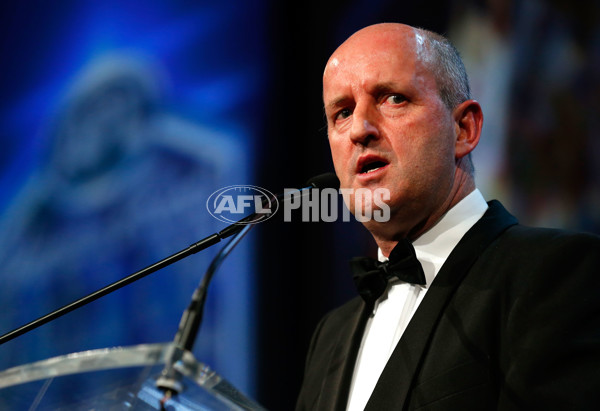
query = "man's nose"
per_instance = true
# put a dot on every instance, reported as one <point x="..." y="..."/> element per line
<point x="364" y="126"/>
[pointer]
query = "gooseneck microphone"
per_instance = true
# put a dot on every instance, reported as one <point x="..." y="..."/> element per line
<point x="321" y="181"/>
<point x="189" y="325"/>
<point x="192" y="317"/>
<point x="326" y="180"/>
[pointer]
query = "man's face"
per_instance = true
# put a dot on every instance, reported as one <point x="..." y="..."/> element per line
<point x="387" y="125"/>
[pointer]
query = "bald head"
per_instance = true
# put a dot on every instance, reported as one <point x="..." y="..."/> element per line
<point x="432" y="51"/>
<point x="399" y="119"/>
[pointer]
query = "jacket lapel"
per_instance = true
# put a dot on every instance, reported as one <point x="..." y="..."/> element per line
<point x="339" y="370"/>
<point x="398" y="375"/>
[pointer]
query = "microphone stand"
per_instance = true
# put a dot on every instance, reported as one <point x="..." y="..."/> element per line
<point x="323" y="180"/>
<point x="169" y="379"/>
<point x="190" y="322"/>
<point x="192" y="249"/>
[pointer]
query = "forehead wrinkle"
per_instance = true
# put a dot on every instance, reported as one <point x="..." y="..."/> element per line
<point x="385" y="87"/>
<point x="408" y="47"/>
<point x="337" y="102"/>
<point x="372" y="85"/>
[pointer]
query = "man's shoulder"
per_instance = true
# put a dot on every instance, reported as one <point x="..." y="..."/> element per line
<point x="534" y="255"/>
<point x="342" y="313"/>
<point x="525" y="255"/>
<point x="337" y="322"/>
<point x="512" y="232"/>
<point x="541" y="238"/>
<point x="336" y="327"/>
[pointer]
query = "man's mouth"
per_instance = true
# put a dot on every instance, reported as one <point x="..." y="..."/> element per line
<point x="370" y="164"/>
<point x="370" y="167"/>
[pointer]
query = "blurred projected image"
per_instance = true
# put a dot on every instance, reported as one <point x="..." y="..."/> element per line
<point x="123" y="184"/>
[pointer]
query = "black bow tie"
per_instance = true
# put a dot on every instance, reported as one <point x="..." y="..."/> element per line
<point x="371" y="277"/>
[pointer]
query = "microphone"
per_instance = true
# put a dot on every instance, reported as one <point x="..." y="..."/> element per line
<point x="192" y="318"/>
<point x="189" y="325"/>
<point x="327" y="180"/>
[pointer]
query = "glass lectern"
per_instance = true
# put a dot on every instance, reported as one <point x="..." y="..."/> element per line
<point x="118" y="379"/>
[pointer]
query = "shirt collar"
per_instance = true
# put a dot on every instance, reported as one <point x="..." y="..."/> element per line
<point x="435" y="245"/>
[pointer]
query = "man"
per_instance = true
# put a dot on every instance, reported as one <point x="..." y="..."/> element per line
<point x="500" y="316"/>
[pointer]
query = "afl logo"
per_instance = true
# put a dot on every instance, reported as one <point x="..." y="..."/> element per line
<point x="232" y="203"/>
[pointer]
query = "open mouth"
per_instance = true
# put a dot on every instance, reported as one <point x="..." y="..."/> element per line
<point x="369" y="167"/>
<point x="370" y="163"/>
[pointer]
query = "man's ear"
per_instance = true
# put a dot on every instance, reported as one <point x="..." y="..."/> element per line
<point x="468" y="118"/>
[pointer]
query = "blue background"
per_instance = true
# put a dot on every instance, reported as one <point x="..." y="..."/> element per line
<point x="118" y="120"/>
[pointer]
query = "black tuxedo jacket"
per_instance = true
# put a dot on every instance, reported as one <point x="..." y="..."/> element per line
<point x="511" y="321"/>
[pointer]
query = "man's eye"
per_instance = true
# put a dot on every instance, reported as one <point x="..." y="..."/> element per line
<point x="342" y="114"/>
<point x="395" y="99"/>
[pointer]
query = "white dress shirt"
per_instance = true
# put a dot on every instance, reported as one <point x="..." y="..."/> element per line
<point x="394" y="309"/>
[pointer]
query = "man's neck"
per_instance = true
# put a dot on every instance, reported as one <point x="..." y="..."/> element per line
<point x="388" y="241"/>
